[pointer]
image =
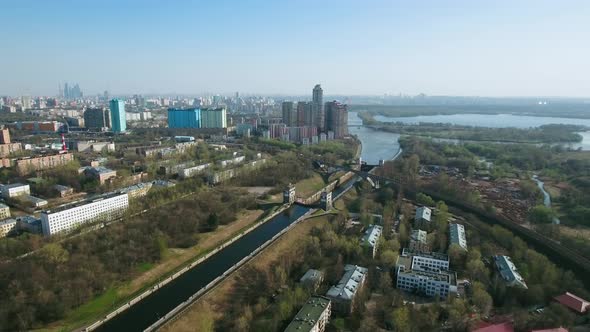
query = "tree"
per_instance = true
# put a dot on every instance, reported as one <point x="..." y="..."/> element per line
<point x="400" y="319"/>
<point x="424" y="199"/>
<point x="212" y="222"/>
<point x="481" y="299"/>
<point x="388" y="258"/>
<point x="542" y="214"/>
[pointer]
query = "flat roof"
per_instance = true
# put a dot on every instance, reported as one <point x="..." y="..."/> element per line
<point x="308" y="315"/>
<point x="72" y="205"/>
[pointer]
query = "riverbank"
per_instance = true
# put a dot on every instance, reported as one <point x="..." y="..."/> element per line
<point x="212" y="305"/>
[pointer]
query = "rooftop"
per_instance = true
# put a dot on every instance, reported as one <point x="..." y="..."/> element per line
<point x="309" y="314"/>
<point x="573" y="302"/>
<point x="83" y="202"/>
<point x="457" y="235"/>
<point x="433" y="255"/>
<point x="446" y="276"/>
<point x="419" y="235"/>
<point x="372" y="235"/>
<point x="508" y="270"/>
<point x="13" y="185"/>
<point x="423" y="213"/>
<point x="348" y="284"/>
<point x="311" y="275"/>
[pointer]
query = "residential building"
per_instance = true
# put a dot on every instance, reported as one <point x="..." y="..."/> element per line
<point x="184" y="118"/>
<point x="137" y="190"/>
<point x="336" y="119"/>
<point x="214" y="118"/>
<point x="35" y="201"/>
<point x="192" y="171"/>
<point x="9" y="148"/>
<point x="418" y="241"/>
<point x="4" y="136"/>
<point x="31" y="164"/>
<point x="233" y="161"/>
<point x="7" y="226"/>
<point x="432" y="261"/>
<point x="317" y="107"/>
<point x="118" y="118"/>
<point x="313" y="316"/>
<point x="343" y="294"/>
<point x="289" y="113"/>
<point x="418" y="274"/>
<point x="91" y="146"/>
<point x="370" y="239"/>
<point x="422" y="218"/>
<point x="4" y="211"/>
<point x="100" y="173"/>
<point x="574" y="302"/>
<point x="508" y="271"/>
<point x="305" y="114"/>
<point x="457" y="235"/>
<point x="63" y="191"/>
<point x="37" y="126"/>
<point x="14" y="190"/>
<point x="68" y="217"/>
<point x="312" y="279"/>
<point x="97" y="118"/>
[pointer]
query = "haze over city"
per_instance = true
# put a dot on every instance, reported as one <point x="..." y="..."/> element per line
<point x="485" y="48"/>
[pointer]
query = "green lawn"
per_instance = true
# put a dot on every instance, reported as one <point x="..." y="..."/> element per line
<point x="309" y="186"/>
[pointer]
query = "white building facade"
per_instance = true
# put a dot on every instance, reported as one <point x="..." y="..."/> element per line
<point x="68" y="218"/>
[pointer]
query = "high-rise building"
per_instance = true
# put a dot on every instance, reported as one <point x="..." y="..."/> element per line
<point x="118" y="118"/>
<point x="97" y="118"/>
<point x="317" y="104"/>
<point x="304" y="114"/>
<point x="289" y="113"/>
<point x="26" y="102"/>
<point x="184" y="118"/>
<point x="214" y="118"/>
<point x="336" y="119"/>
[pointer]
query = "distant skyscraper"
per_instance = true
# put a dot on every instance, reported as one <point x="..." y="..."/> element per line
<point x="317" y="106"/>
<point x="214" y="118"/>
<point x="336" y="118"/>
<point x="26" y="102"/>
<point x="289" y="113"/>
<point x="304" y="114"/>
<point x="118" y="118"/>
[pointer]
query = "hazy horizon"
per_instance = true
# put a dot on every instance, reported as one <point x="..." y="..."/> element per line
<point x="456" y="48"/>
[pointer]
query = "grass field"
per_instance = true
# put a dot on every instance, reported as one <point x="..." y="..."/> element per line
<point x="309" y="186"/>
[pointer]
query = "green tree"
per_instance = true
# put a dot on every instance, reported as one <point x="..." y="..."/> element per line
<point x="541" y="214"/>
<point x="400" y="319"/>
<point x="481" y="299"/>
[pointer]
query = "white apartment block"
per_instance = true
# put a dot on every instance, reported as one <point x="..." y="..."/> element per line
<point x="192" y="171"/>
<point x="68" y="217"/>
<point x="4" y="211"/>
<point x="457" y="235"/>
<point x="427" y="283"/>
<point x="7" y="226"/>
<point x="14" y="190"/>
<point x="371" y="238"/>
<point x="432" y="261"/>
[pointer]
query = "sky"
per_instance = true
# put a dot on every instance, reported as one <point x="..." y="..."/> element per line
<point x="351" y="47"/>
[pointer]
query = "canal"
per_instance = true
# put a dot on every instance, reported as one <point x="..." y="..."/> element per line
<point x="146" y="312"/>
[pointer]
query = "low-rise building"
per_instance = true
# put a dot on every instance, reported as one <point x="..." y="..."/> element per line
<point x="63" y="191"/>
<point x="312" y="279"/>
<point x="508" y="271"/>
<point x="233" y="161"/>
<point x="9" y="148"/>
<point x="574" y="302"/>
<point x="413" y="277"/>
<point x="70" y="216"/>
<point x="35" y="201"/>
<point x="457" y="235"/>
<point x="192" y="171"/>
<point x="137" y="190"/>
<point x="7" y="226"/>
<point x="432" y="261"/>
<point x="343" y="294"/>
<point x="422" y="218"/>
<point x="419" y="241"/>
<point x="102" y="174"/>
<point x="313" y="316"/>
<point x="31" y="164"/>
<point x="15" y="190"/>
<point x="370" y="239"/>
<point x="4" y="211"/>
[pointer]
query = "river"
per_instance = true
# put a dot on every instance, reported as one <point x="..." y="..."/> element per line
<point x="146" y="312"/>
<point x="497" y="121"/>
<point x="376" y="144"/>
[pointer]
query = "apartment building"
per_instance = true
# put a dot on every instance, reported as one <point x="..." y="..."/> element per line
<point x="14" y="190"/>
<point x="413" y="275"/>
<point x="343" y="294"/>
<point x="31" y="164"/>
<point x="457" y="235"/>
<point x="4" y="211"/>
<point x="313" y="316"/>
<point x="509" y="272"/>
<point x="370" y="239"/>
<point x="68" y="217"/>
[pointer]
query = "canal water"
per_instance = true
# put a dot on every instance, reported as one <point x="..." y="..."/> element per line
<point x="377" y="145"/>
<point x="146" y="312"/>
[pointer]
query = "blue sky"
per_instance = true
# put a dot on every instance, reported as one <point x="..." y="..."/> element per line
<point x="486" y="48"/>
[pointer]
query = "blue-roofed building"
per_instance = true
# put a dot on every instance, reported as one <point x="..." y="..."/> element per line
<point x="508" y="271"/>
<point x="184" y="118"/>
<point x="118" y="117"/>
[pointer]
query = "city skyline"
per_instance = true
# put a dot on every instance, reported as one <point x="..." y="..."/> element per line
<point x="500" y="48"/>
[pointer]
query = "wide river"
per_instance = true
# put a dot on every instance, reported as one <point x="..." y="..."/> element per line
<point x="494" y="121"/>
